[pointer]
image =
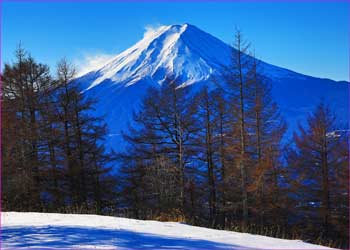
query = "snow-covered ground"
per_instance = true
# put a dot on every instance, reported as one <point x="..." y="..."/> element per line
<point x="68" y="231"/>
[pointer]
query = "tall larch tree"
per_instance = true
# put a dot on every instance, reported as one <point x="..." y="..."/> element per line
<point x="319" y="158"/>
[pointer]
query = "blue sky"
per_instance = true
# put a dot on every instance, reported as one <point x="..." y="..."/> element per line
<point x="307" y="37"/>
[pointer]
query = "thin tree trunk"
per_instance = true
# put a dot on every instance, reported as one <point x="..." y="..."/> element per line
<point x="242" y="150"/>
<point x="210" y="165"/>
<point x="325" y="187"/>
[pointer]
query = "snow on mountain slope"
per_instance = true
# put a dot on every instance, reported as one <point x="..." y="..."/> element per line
<point x="181" y="50"/>
<point x="68" y="231"/>
<point x="194" y="56"/>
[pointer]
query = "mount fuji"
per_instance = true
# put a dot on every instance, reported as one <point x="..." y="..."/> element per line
<point x="194" y="57"/>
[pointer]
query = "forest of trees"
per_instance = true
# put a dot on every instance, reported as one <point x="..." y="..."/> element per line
<point x="217" y="157"/>
<point x="51" y="156"/>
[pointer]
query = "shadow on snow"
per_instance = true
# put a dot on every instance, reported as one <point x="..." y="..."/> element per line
<point x="67" y="237"/>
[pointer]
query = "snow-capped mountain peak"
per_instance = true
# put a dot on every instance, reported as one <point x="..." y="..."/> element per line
<point x="183" y="51"/>
<point x="193" y="57"/>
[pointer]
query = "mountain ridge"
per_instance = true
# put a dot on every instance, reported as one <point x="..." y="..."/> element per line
<point x="194" y="57"/>
<point x="174" y="41"/>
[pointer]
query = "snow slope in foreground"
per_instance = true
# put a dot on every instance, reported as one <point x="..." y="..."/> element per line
<point x="68" y="231"/>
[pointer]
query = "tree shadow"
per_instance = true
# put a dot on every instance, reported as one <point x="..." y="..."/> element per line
<point x="65" y="237"/>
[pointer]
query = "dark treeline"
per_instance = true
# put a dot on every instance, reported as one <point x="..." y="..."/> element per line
<point x="215" y="156"/>
<point x="51" y="157"/>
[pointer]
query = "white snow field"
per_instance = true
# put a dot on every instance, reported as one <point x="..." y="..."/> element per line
<point x="72" y="231"/>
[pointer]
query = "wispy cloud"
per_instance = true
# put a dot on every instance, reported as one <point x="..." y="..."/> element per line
<point x="93" y="61"/>
<point x="151" y="29"/>
<point x="90" y="62"/>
